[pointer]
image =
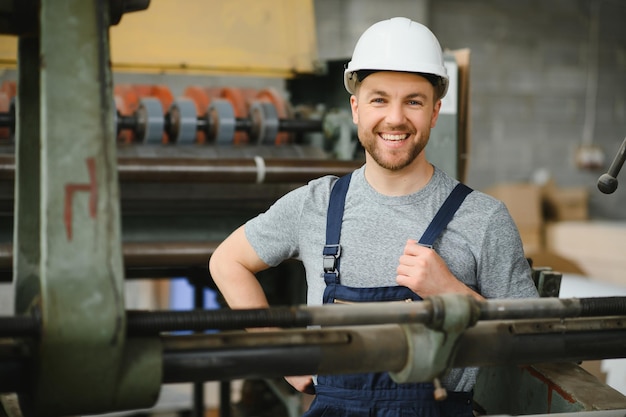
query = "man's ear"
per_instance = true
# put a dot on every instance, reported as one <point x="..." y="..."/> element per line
<point x="435" y="116"/>
<point x="354" y="105"/>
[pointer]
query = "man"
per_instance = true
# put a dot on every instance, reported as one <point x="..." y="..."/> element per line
<point x="388" y="251"/>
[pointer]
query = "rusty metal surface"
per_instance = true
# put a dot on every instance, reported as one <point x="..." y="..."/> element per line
<point x="546" y="388"/>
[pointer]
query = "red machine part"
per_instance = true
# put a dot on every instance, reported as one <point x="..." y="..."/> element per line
<point x="127" y="99"/>
<point x="283" y="110"/>
<point x="160" y="92"/>
<point x="5" y="106"/>
<point x="126" y="103"/>
<point x="8" y="90"/>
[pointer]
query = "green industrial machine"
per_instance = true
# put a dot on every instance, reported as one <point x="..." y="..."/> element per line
<point x="72" y="347"/>
<point x="67" y="258"/>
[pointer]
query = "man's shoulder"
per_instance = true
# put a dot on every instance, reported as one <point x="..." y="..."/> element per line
<point x="314" y="192"/>
<point x="475" y="199"/>
<point x="480" y="197"/>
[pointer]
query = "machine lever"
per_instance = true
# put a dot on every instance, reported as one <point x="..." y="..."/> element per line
<point x="607" y="183"/>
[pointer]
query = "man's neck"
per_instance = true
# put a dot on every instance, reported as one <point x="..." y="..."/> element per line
<point x="397" y="183"/>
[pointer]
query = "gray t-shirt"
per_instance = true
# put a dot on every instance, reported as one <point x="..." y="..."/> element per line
<point x="481" y="244"/>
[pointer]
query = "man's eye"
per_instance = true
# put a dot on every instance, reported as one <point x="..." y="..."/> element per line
<point x="378" y="100"/>
<point x="415" y="103"/>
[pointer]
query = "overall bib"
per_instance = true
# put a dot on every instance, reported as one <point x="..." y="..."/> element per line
<point x="376" y="394"/>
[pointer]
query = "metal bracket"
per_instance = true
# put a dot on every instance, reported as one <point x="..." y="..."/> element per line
<point x="432" y="348"/>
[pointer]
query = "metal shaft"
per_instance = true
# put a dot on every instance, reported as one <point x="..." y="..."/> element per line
<point x="527" y="342"/>
<point x="427" y="312"/>
<point x="214" y="170"/>
<point x="370" y="349"/>
<point x="276" y="354"/>
<point x="130" y="122"/>
<point x="139" y="255"/>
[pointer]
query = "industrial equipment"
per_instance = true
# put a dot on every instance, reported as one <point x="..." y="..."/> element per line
<point x="607" y="183"/>
<point x="84" y="164"/>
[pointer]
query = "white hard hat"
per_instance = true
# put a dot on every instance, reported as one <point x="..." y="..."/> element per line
<point x="397" y="44"/>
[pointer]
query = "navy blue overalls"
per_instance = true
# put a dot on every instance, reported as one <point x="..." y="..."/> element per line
<point x="376" y="394"/>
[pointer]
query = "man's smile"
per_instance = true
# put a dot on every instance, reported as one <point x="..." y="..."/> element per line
<point x="394" y="136"/>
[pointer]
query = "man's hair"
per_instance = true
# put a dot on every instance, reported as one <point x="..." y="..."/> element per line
<point x="435" y="80"/>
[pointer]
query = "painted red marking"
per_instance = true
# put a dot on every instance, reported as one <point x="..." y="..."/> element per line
<point x="551" y="387"/>
<point x="70" y="189"/>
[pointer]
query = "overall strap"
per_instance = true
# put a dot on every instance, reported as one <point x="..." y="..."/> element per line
<point x="445" y="214"/>
<point x="334" y="218"/>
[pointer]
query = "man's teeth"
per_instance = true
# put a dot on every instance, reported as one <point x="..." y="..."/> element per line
<point x="393" y="137"/>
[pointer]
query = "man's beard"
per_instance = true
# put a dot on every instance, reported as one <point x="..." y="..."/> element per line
<point x="381" y="157"/>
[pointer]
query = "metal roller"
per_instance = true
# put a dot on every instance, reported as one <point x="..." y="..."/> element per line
<point x="162" y="93"/>
<point x="138" y="120"/>
<point x="141" y="117"/>
<point x="237" y="99"/>
<point x="183" y="121"/>
<point x="126" y="103"/>
<point x="272" y="96"/>
<point x="202" y="97"/>
<point x="265" y="122"/>
<point x="150" y="121"/>
<point x="221" y="121"/>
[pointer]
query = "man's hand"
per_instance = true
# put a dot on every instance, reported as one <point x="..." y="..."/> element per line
<point x="425" y="273"/>
<point x="302" y="383"/>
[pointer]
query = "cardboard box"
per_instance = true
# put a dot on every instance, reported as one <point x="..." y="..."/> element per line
<point x="597" y="246"/>
<point x="546" y="259"/>
<point x="524" y="201"/>
<point x="566" y="204"/>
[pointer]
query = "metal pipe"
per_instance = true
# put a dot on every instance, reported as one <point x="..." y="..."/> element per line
<point x="139" y="255"/>
<point x="300" y="125"/>
<point x="531" y="341"/>
<point x="233" y="355"/>
<point x="243" y="170"/>
<point x="229" y="171"/>
<point x="167" y="253"/>
<point x="284" y="125"/>
<point x="370" y="349"/>
<point x="14" y="366"/>
<point x="7" y="120"/>
<point x="289" y="352"/>
<point x="19" y="326"/>
<point x="426" y="312"/>
<point x="551" y="307"/>
<point x="130" y="122"/>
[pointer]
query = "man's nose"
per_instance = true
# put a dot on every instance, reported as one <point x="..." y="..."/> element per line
<point x="395" y="114"/>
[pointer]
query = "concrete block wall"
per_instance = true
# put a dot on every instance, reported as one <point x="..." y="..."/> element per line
<point x="339" y="23"/>
<point x="529" y="77"/>
<point x="529" y="63"/>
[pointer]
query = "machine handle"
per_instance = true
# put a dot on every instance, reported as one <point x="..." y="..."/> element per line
<point x="607" y="183"/>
